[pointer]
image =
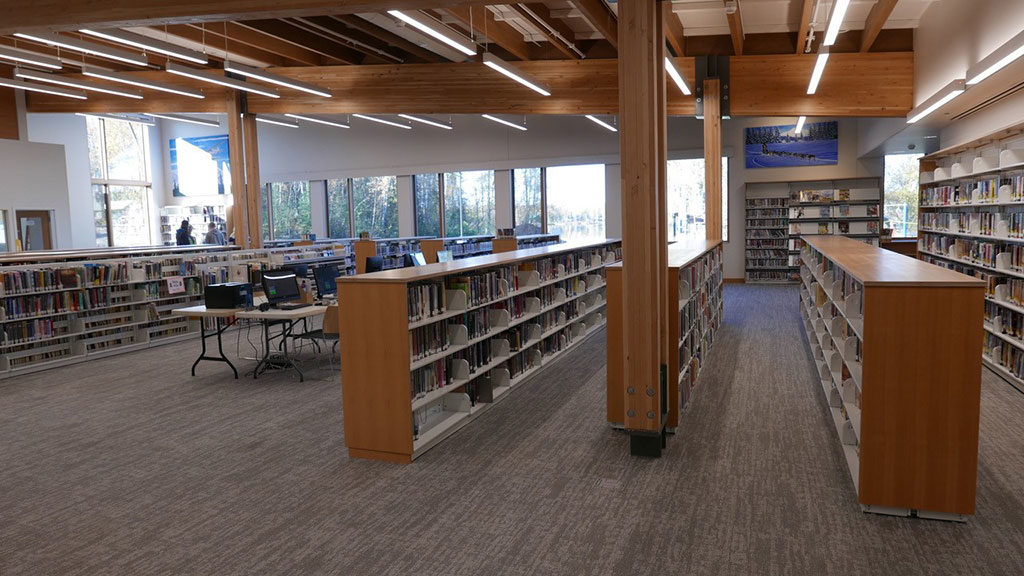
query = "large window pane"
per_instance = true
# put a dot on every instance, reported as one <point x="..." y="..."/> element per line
<point x="94" y="128"/>
<point x="3" y="231"/>
<point x="576" y="201"/>
<point x="129" y="215"/>
<point x="289" y="209"/>
<point x="427" y="193"/>
<point x="126" y="150"/>
<point x="902" y="175"/>
<point x="469" y="203"/>
<point x="337" y="209"/>
<point x="375" y="200"/>
<point x="265" y="205"/>
<point x="526" y="189"/>
<point x="99" y="214"/>
<point x="686" y="199"/>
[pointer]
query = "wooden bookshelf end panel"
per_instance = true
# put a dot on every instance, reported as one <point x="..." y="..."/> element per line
<point x="921" y="397"/>
<point x="500" y="245"/>
<point x="615" y="392"/>
<point x="375" y="372"/>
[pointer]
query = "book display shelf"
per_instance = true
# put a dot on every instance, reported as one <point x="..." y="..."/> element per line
<point x="460" y="247"/>
<point x="476" y="328"/>
<point x="509" y="244"/>
<point x="198" y="216"/>
<point x="850" y="207"/>
<point x="971" y="219"/>
<point x="902" y="380"/>
<point x="695" y="297"/>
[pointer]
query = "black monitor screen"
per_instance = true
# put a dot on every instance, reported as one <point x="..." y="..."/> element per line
<point x="280" y="286"/>
<point x="374" y="263"/>
<point x="418" y="259"/>
<point x="325" y="279"/>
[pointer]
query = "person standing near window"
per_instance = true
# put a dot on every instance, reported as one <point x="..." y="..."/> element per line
<point x="214" y="236"/>
<point x="184" y="234"/>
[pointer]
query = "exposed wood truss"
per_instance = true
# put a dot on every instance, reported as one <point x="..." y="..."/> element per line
<point x="673" y="30"/>
<point x="735" y="27"/>
<point x="876" y="19"/>
<point x="601" y="17"/>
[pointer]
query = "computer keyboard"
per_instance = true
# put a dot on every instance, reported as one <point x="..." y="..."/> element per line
<point x="292" y="305"/>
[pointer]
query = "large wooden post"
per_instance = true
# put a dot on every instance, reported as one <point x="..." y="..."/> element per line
<point x="8" y="109"/>
<point x="253" y="204"/>
<point x="713" y="158"/>
<point x="642" y="148"/>
<point x="238" y="220"/>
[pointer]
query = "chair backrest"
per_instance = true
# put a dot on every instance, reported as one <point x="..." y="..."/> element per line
<point x="331" y="319"/>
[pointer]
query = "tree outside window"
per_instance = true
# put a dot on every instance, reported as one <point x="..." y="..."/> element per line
<point x="469" y="203"/>
<point x="526" y="190"/>
<point x="338" y="223"/>
<point x="575" y="196"/>
<point x="290" y="210"/>
<point x="121" y="185"/>
<point x="902" y="181"/>
<point x="375" y="200"/>
<point x="427" y="197"/>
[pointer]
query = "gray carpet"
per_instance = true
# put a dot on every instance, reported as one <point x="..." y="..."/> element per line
<point x="128" y="466"/>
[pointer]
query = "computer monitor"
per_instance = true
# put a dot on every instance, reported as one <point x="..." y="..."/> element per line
<point x="414" y="259"/>
<point x="444" y="255"/>
<point x="301" y="270"/>
<point x="280" y="286"/>
<point x="325" y="276"/>
<point x="374" y="264"/>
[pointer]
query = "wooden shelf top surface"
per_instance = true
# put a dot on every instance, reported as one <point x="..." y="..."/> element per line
<point x="39" y="256"/>
<point x="417" y="273"/>
<point x="872" y="265"/>
<point x="682" y="254"/>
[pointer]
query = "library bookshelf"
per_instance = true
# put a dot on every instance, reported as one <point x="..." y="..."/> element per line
<point x="524" y="242"/>
<point x="971" y="219"/>
<point x="460" y="247"/>
<point x="476" y="328"/>
<point x="779" y="213"/>
<point x="902" y="381"/>
<point x="392" y="250"/>
<point x="695" y="299"/>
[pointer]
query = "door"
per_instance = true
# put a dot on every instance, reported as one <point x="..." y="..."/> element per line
<point x="34" y="229"/>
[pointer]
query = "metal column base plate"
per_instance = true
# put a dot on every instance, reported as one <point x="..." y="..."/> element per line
<point x="643" y="443"/>
<point x="909" y="513"/>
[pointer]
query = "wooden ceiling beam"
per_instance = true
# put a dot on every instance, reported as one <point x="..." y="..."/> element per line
<point x="67" y="55"/>
<point x="557" y="32"/>
<point x="195" y="34"/>
<point x="876" y="19"/>
<point x="368" y="43"/>
<point x="854" y="85"/>
<point x="18" y="15"/>
<point x="482" y="21"/>
<point x="244" y="40"/>
<point x="805" y="25"/>
<point x="387" y="37"/>
<point x="735" y="28"/>
<point x="600" y="17"/>
<point x="288" y="32"/>
<point x="673" y="30"/>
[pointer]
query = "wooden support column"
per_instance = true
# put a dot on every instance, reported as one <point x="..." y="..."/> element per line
<point x="712" y="159"/>
<point x="238" y="220"/>
<point x="253" y="204"/>
<point x="8" y="108"/>
<point x="642" y="145"/>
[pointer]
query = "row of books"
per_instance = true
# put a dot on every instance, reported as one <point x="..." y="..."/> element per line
<point x="485" y="286"/>
<point x="768" y="212"/>
<point x="1006" y="355"/>
<point x="768" y="202"/>
<point x="13" y="282"/>
<point x="1006" y="224"/>
<point x="56" y="302"/>
<point x="827" y="228"/>
<point x="427" y="340"/>
<point x="1005" y="321"/>
<point x="778" y="244"/>
<point x="425" y="299"/>
<point x="29" y="330"/>
<point x="840" y="211"/>
<point x="1008" y="188"/>
<point x="477" y="322"/>
<point x="765" y="234"/>
<point x="818" y="196"/>
<point x="476" y="355"/>
<point x="767" y="222"/>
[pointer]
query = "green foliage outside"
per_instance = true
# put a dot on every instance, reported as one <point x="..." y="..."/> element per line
<point x="427" y="189"/>
<point x="469" y="203"/>
<point x="526" y="188"/>
<point x="375" y="201"/>
<point x="337" y="209"/>
<point x="901" y="194"/>
<point x="290" y="209"/>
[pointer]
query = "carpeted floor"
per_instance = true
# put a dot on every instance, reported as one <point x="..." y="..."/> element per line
<point x="128" y="466"/>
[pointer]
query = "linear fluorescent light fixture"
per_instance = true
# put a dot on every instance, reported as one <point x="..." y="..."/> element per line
<point x="937" y="100"/>
<point x="316" y="120"/>
<point x="835" y="21"/>
<point x="85" y="47"/>
<point x="602" y="123"/>
<point x="495" y="63"/>
<point x="436" y="30"/>
<point x="258" y="74"/>
<point x="124" y="78"/>
<point x="26" y="57"/>
<point x="799" y="125"/>
<point x="148" y="44"/>
<point x="75" y="83"/>
<point x="819" y="69"/>
<point x="133" y="119"/>
<point x="383" y="121"/>
<point x="277" y="121"/>
<point x="20" y="85"/>
<point x="214" y="78"/>
<point x="427" y="121"/>
<point x="186" y="119"/>
<point x="505" y="122"/>
<point x="997" y="60"/>
<point x="673" y="72"/>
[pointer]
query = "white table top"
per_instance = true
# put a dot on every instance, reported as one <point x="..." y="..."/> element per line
<point x="203" y="312"/>
<point x="275" y="314"/>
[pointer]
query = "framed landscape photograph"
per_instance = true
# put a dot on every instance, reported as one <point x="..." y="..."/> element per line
<point x="817" y="144"/>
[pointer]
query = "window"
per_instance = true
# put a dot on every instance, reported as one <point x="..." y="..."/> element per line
<point x="528" y="196"/>
<point x="902" y="172"/>
<point x="427" y="199"/>
<point x="3" y="231"/>
<point x="469" y="203"/>
<point x="339" y="214"/>
<point x="686" y="199"/>
<point x="121" y="182"/>
<point x="289" y="213"/>
<point x="575" y="201"/>
<point x="375" y="202"/>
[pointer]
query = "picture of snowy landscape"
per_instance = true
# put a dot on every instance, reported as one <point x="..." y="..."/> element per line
<point x="817" y="144"/>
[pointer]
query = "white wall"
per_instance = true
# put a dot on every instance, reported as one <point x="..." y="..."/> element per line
<point x="35" y="178"/>
<point x="70" y="132"/>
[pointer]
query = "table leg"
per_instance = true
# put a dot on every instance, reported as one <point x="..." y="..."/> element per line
<point x="222" y="325"/>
